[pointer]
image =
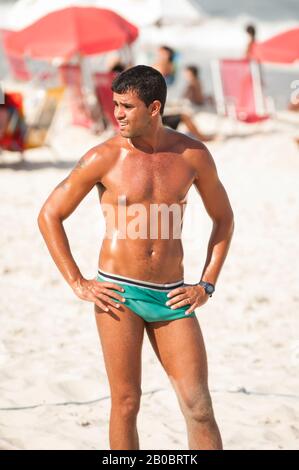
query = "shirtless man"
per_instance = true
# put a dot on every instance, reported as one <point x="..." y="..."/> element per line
<point x="140" y="271"/>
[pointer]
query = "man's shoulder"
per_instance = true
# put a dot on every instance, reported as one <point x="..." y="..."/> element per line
<point x="108" y="149"/>
<point x="194" y="152"/>
<point x="103" y="155"/>
<point x="188" y="147"/>
<point x="99" y="159"/>
<point x="183" y="142"/>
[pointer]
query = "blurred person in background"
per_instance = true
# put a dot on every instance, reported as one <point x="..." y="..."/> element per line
<point x="193" y="90"/>
<point x="174" y="120"/>
<point x="251" y="32"/>
<point x="165" y="64"/>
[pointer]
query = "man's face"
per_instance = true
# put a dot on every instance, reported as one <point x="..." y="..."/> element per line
<point x="133" y="115"/>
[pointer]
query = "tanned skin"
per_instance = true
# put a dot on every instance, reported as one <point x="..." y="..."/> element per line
<point x="146" y="163"/>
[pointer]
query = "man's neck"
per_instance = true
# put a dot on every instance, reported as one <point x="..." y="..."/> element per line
<point x="149" y="143"/>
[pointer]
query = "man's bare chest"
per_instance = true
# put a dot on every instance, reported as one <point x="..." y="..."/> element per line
<point x="159" y="178"/>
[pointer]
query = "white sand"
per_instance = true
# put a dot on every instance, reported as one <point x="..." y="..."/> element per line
<point x="51" y="363"/>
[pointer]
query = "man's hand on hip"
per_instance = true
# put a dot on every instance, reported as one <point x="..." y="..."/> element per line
<point x="100" y="293"/>
<point x="187" y="295"/>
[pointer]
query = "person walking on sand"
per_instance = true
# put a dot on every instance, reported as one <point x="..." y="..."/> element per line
<point x="146" y="169"/>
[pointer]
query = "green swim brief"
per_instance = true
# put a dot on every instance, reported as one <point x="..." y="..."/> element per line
<point x="147" y="299"/>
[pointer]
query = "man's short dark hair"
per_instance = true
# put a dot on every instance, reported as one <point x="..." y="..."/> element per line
<point x="145" y="81"/>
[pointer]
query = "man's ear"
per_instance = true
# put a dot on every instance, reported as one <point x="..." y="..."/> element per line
<point x="155" y="107"/>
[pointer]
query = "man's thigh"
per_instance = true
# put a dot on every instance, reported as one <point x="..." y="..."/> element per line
<point x="179" y="346"/>
<point x="121" y="335"/>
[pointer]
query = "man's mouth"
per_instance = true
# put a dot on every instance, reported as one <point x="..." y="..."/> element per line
<point x="123" y="124"/>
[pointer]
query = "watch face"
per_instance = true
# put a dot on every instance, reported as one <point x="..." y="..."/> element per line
<point x="209" y="289"/>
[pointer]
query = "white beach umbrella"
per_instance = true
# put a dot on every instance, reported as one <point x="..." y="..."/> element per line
<point x="139" y="12"/>
<point x="148" y="12"/>
<point x="25" y="12"/>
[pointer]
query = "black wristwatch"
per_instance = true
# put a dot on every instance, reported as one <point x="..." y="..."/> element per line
<point x="208" y="287"/>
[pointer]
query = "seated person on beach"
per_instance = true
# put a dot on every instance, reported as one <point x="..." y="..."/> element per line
<point x="165" y="64"/>
<point x="173" y="121"/>
<point x="193" y="90"/>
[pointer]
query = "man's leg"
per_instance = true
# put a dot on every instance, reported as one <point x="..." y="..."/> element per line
<point x="194" y="130"/>
<point x="121" y="334"/>
<point x="180" y="348"/>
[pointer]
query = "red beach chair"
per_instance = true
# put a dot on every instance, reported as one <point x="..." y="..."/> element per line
<point x="102" y="84"/>
<point x="239" y="91"/>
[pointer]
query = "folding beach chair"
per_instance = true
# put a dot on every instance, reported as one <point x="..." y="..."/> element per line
<point x="12" y="124"/>
<point x="15" y="134"/>
<point x="37" y="133"/>
<point x="239" y="92"/>
<point x="72" y="78"/>
<point x="102" y="85"/>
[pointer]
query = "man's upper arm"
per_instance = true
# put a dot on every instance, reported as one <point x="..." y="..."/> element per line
<point x="209" y="186"/>
<point x="69" y="193"/>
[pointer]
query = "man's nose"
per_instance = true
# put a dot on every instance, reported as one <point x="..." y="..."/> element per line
<point x="119" y="113"/>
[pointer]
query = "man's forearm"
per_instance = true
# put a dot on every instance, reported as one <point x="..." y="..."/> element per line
<point x="56" y="240"/>
<point x="217" y="250"/>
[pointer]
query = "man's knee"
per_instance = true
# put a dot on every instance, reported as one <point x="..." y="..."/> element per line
<point x="127" y="403"/>
<point x="197" y="405"/>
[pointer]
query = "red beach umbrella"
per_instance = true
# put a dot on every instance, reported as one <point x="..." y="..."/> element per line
<point x="73" y="30"/>
<point x="282" y="48"/>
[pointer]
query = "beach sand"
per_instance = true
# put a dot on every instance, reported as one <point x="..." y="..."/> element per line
<point x="54" y="389"/>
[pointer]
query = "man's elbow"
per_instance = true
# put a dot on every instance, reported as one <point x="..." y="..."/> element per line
<point x="226" y="221"/>
<point x="230" y="221"/>
<point x="42" y="218"/>
<point x="45" y="217"/>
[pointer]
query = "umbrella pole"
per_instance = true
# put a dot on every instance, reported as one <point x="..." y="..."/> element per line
<point x="130" y="55"/>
